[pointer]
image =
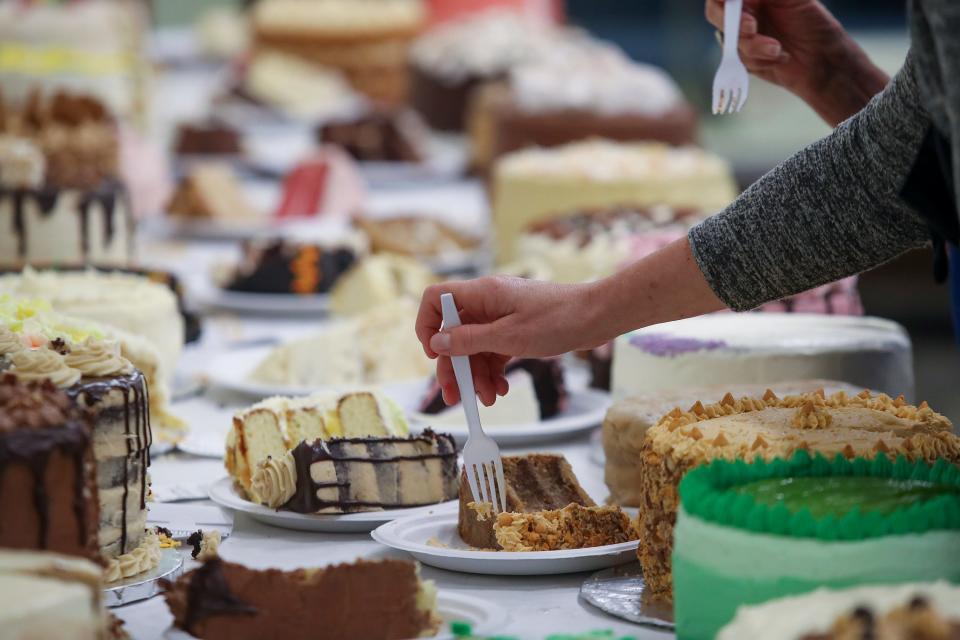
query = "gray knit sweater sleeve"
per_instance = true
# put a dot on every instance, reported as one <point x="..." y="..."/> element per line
<point x="830" y="211"/>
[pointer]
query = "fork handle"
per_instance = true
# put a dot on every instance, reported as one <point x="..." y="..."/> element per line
<point x="731" y="26"/>
<point x="461" y="368"/>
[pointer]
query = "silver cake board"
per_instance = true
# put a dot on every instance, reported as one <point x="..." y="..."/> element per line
<point x="622" y="592"/>
<point x="147" y="584"/>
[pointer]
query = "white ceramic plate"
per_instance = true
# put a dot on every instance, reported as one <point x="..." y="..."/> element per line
<point x="223" y="493"/>
<point x="433" y="540"/>
<point x="264" y="303"/>
<point x="483" y="616"/>
<point x="586" y="410"/>
<point x="231" y="371"/>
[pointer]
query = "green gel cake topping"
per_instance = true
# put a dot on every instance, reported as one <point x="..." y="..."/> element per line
<point x="838" y="496"/>
<point x="813" y="497"/>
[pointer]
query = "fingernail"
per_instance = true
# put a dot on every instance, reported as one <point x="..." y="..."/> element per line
<point x="440" y="342"/>
<point x="749" y="25"/>
<point x="772" y="49"/>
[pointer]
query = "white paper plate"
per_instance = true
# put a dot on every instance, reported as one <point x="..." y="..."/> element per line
<point x="263" y="303"/>
<point x="586" y="410"/>
<point x="223" y="493"/>
<point x="414" y="534"/>
<point x="231" y="371"/>
<point x="483" y="616"/>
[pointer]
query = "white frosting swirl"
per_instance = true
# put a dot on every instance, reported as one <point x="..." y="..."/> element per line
<point x="22" y="165"/>
<point x="43" y="364"/>
<point x="145" y="557"/>
<point x="275" y="481"/>
<point x="98" y="358"/>
<point x="10" y="342"/>
<point x="595" y="79"/>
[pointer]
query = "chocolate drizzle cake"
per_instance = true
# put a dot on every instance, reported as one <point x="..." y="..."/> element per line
<point x="47" y="476"/>
<point x="279" y="266"/>
<point x="59" y="184"/>
<point x="380" y="135"/>
<point x="373" y="600"/>
<point x="344" y="475"/>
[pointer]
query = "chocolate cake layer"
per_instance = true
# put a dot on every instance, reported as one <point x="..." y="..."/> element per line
<point x="442" y="104"/>
<point x="47" y="478"/>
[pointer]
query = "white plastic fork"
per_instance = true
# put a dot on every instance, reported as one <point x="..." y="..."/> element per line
<point x="481" y="455"/>
<point x="731" y="84"/>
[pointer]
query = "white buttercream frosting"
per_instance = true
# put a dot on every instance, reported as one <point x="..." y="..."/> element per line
<point x="488" y="45"/>
<point x="43" y="364"/>
<point x="597" y="79"/>
<point x="815" y="612"/>
<point x="22" y="165"/>
<point x="275" y="481"/>
<point x="98" y="358"/>
<point x="145" y="557"/>
<point x="338" y="17"/>
<point x="9" y="341"/>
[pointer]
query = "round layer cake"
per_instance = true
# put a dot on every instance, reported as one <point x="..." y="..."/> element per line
<point x="127" y="301"/>
<point x="532" y="185"/>
<point x="763" y="348"/>
<point x="748" y="532"/>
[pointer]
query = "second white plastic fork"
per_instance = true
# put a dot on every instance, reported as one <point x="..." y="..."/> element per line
<point x="481" y="455"/>
<point x="731" y="84"/>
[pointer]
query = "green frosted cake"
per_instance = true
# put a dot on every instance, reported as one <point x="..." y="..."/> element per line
<point x="748" y="532"/>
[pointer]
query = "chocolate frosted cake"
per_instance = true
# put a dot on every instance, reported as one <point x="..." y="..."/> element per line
<point x="60" y="192"/>
<point x="47" y="476"/>
<point x="379" y="135"/>
<point x="344" y="475"/>
<point x="373" y="600"/>
<point x="100" y="381"/>
<point x="207" y="138"/>
<point x="279" y="266"/>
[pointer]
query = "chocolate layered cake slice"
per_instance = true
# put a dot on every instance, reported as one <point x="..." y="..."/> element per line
<point x="344" y="475"/>
<point x="382" y="600"/>
<point x="547" y="509"/>
<point x="379" y="135"/>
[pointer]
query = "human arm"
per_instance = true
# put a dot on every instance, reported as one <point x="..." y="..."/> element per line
<point x="800" y="46"/>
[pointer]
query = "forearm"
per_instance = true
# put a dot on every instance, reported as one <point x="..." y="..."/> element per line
<point x="830" y="211"/>
<point x="846" y="87"/>
<point x="666" y="285"/>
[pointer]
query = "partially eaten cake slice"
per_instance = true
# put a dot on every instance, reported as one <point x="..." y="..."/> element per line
<point x="373" y="600"/>
<point x="547" y="510"/>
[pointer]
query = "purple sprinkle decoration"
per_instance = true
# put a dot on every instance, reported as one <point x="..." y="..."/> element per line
<point x="660" y="344"/>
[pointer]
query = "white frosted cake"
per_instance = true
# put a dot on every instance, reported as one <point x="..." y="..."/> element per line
<point x="765" y="348"/>
<point x="126" y="301"/>
<point x="536" y="184"/>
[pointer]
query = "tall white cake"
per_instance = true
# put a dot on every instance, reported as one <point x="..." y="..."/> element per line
<point x="729" y="348"/>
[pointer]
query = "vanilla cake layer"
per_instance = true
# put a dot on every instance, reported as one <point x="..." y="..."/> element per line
<point x="767" y="348"/>
<point x="627" y="422"/>
<point x="345" y="475"/>
<point x="271" y="428"/>
<point x="534" y="184"/>
<point x="770" y="427"/>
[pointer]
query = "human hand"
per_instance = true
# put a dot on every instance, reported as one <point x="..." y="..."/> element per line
<point x="504" y="318"/>
<point x="800" y="45"/>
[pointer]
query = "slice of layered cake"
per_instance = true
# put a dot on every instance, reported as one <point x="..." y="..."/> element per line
<point x="271" y="428"/>
<point x="766" y="428"/>
<point x="373" y="600"/>
<point x="915" y="611"/>
<point x="749" y="532"/>
<point x="547" y="510"/>
<point x="345" y="475"/>
<point x="537" y="392"/>
<point x="97" y="379"/>
<point x="627" y="422"/>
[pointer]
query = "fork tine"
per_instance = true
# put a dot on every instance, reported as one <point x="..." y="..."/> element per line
<point x="501" y="484"/>
<point x="474" y="487"/>
<point x="735" y="100"/>
<point x="718" y="101"/>
<point x="491" y="485"/>
<point x="482" y="472"/>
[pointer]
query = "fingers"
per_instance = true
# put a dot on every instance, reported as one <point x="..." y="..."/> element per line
<point x="483" y="383"/>
<point x="470" y="339"/>
<point x="488" y="379"/>
<point x="479" y="300"/>
<point x="760" y="49"/>
<point x="447" y="381"/>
